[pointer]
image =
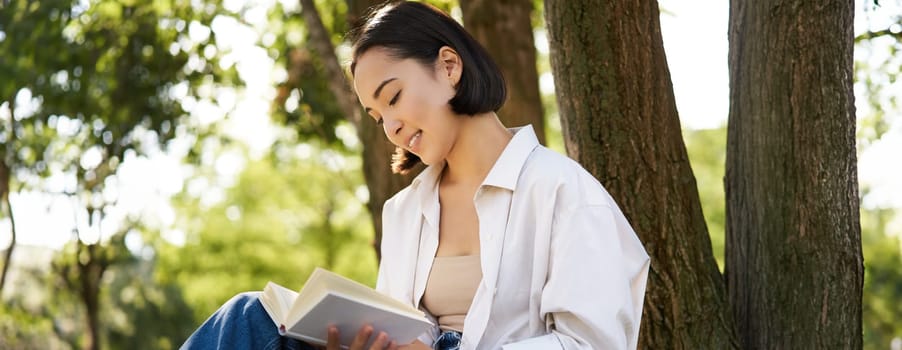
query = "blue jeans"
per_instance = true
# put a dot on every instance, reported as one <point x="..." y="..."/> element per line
<point x="449" y="340"/>
<point x="241" y="323"/>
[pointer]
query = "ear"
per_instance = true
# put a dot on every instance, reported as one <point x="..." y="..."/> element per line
<point x="450" y="65"/>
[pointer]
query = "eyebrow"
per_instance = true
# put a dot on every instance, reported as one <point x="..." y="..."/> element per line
<point x="379" y="89"/>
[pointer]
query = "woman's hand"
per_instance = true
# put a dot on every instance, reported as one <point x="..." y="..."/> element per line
<point x="363" y="336"/>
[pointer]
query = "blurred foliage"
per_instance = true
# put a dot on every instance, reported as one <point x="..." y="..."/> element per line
<point x="878" y="66"/>
<point x="707" y="149"/>
<point x="303" y="99"/>
<point x="26" y="321"/>
<point x="286" y="214"/>
<point x="131" y="303"/>
<point x="24" y="329"/>
<point x="90" y="82"/>
<point x="143" y="312"/>
<point x="99" y="75"/>
<point x="78" y="272"/>
<point x="882" y="278"/>
<point x="137" y="311"/>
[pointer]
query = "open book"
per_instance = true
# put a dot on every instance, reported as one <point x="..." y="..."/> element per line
<point x="330" y="299"/>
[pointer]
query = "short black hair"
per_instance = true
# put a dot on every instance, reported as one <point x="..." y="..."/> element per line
<point x="416" y="30"/>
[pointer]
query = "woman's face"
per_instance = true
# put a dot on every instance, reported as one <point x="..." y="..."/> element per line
<point x="411" y="100"/>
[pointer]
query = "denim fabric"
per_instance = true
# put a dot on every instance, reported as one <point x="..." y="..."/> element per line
<point x="449" y="340"/>
<point x="241" y="323"/>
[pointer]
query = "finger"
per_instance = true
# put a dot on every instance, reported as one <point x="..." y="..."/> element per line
<point x="333" y="341"/>
<point x="381" y="341"/>
<point x="362" y="337"/>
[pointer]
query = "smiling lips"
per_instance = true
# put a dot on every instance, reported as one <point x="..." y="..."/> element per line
<point x="414" y="140"/>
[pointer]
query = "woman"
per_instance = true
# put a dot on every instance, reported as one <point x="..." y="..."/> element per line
<point x="504" y="243"/>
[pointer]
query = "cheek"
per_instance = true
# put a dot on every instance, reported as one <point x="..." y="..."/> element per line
<point x="421" y="106"/>
<point x="432" y="98"/>
<point x="433" y="93"/>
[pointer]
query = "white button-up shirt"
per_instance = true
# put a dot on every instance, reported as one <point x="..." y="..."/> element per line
<point x="561" y="266"/>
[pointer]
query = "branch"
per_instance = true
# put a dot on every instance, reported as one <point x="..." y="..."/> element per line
<point x="322" y="45"/>
<point x="12" y="245"/>
<point x="870" y="35"/>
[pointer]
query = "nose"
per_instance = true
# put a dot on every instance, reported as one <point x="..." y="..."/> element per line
<point x="392" y="127"/>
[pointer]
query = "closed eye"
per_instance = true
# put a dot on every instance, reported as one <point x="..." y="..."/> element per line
<point x="370" y="112"/>
<point x="394" y="99"/>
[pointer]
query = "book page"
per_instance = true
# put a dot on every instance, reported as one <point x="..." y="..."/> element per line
<point x="349" y="314"/>
<point x="277" y="301"/>
<point x="322" y="281"/>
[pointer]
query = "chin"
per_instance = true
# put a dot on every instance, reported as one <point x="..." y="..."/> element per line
<point x="427" y="159"/>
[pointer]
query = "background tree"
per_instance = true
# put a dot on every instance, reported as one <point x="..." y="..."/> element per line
<point x="140" y="311"/>
<point x="620" y="122"/>
<point x="99" y="77"/>
<point x="791" y="177"/>
<point x="27" y="28"/>
<point x="377" y="150"/>
<point x="505" y="28"/>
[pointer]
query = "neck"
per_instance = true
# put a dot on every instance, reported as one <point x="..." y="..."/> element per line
<point x="481" y="141"/>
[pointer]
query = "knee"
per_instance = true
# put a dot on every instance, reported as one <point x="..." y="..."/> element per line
<point x="242" y="302"/>
<point x="245" y="298"/>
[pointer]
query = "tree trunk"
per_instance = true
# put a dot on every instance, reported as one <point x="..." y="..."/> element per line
<point x="6" y="161"/>
<point x="620" y="121"/>
<point x="380" y="180"/>
<point x="90" y="274"/>
<point x="377" y="150"/>
<point x="793" y="250"/>
<point x="8" y="258"/>
<point x="504" y="28"/>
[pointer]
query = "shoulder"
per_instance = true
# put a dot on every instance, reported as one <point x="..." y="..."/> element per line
<point x="404" y="197"/>
<point x="409" y="198"/>
<point x="552" y="175"/>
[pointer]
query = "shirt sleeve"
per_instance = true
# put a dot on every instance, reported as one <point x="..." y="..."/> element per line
<point x="595" y="288"/>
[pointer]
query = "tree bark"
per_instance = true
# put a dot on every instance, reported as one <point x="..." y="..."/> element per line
<point x="504" y="28"/>
<point x="620" y="122"/>
<point x="793" y="250"/>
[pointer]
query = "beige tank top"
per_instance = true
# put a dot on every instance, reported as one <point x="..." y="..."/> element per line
<point x="450" y="289"/>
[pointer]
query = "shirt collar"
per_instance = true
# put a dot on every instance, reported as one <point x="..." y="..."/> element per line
<point x="506" y="170"/>
<point x="425" y="186"/>
<point x="504" y="173"/>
